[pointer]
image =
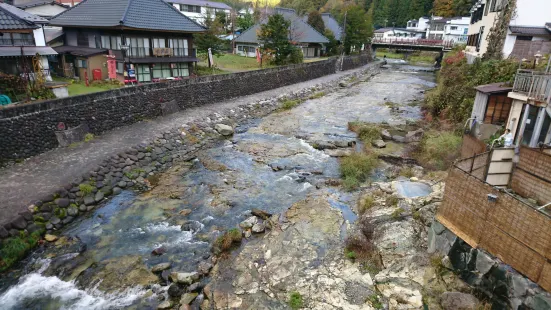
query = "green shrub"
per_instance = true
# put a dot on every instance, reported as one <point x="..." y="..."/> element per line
<point x="295" y="300"/>
<point x="392" y="200"/>
<point x="366" y="132"/>
<point x="288" y="104"/>
<point x="375" y="302"/>
<point x="317" y="95"/>
<point x="438" y="150"/>
<point x="225" y="242"/>
<point x="349" y="254"/>
<point x="397" y="213"/>
<point x="89" y="137"/>
<point x="406" y="172"/>
<point x="86" y="189"/>
<point x="356" y="168"/>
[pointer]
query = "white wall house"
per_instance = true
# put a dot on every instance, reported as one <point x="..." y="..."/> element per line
<point x="448" y="29"/>
<point x="199" y="10"/>
<point x="397" y="33"/>
<point x="419" y="25"/>
<point x="530" y="15"/>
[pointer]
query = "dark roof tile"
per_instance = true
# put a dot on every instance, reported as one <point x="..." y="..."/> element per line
<point x="530" y="31"/>
<point x="14" y="18"/>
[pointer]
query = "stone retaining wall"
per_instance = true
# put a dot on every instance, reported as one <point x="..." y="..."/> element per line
<point x="28" y="129"/>
<point x="132" y="168"/>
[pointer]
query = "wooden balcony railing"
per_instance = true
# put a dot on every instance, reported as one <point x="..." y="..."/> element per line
<point x="535" y="85"/>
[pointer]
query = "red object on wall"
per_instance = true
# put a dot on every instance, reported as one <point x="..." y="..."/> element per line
<point x="96" y="73"/>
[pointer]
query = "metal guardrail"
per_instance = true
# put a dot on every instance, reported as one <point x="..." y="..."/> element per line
<point x="535" y="85"/>
<point x="414" y="41"/>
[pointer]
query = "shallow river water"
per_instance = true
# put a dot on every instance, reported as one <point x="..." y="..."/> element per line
<point x="268" y="164"/>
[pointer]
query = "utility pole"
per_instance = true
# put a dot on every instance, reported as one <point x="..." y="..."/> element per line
<point x="343" y="39"/>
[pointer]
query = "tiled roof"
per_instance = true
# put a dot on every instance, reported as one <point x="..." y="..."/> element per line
<point x="7" y="51"/>
<point x="212" y="4"/>
<point x="333" y="25"/>
<point x="304" y="32"/>
<point x="79" y="50"/>
<point x="493" y="88"/>
<point x="530" y="31"/>
<point x="14" y="18"/>
<point x="34" y="3"/>
<point x="138" y="14"/>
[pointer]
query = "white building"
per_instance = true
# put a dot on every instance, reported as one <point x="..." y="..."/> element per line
<point x="527" y="33"/>
<point x="419" y="25"/>
<point x="396" y="33"/>
<point x="199" y="10"/>
<point x="448" y="29"/>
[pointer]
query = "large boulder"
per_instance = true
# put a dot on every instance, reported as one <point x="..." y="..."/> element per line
<point x="458" y="301"/>
<point x="249" y="223"/>
<point x="224" y="130"/>
<point x="19" y="222"/>
<point x="414" y="136"/>
<point x="184" y="277"/>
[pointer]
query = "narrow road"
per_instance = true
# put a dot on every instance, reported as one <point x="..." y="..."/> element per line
<point x="41" y="175"/>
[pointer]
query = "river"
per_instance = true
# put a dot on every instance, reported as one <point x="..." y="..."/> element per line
<point x="102" y="261"/>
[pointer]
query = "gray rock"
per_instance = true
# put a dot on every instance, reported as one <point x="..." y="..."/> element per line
<point x="204" y="267"/>
<point x="458" y="301"/>
<point x="414" y="136"/>
<point x="323" y="145"/>
<point x="167" y="304"/>
<point x="188" y="298"/>
<point x="49" y="226"/>
<point x="19" y="222"/>
<point x="160" y="267"/>
<point x="46" y="208"/>
<point x="258" y="227"/>
<point x="539" y="301"/>
<point x="116" y="190"/>
<point x="82" y="208"/>
<point x="67" y="220"/>
<point x="3" y="233"/>
<point x="248" y="223"/>
<point x="385" y="134"/>
<point x="341" y="143"/>
<point x="378" y="143"/>
<point x="184" y="277"/>
<point x="89" y="200"/>
<point x="63" y="202"/>
<point x="399" y="139"/>
<point x="55" y="220"/>
<point x="121" y="184"/>
<point x="27" y="215"/>
<point x="175" y="290"/>
<point x="519" y="284"/>
<point x="195" y="287"/>
<point x="99" y="196"/>
<point x="72" y="211"/>
<point x="484" y="262"/>
<point x="438" y="228"/>
<point x="224" y="130"/>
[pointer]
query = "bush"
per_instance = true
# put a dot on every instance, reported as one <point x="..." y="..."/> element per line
<point x="295" y="300"/>
<point x="296" y="56"/>
<point x="349" y="254"/>
<point x="438" y="150"/>
<point x="15" y="248"/>
<point x="89" y="137"/>
<point x="366" y="132"/>
<point x="227" y="240"/>
<point x="288" y="104"/>
<point x="392" y="200"/>
<point x="86" y="189"/>
<point x="365" y="204"/>
<point x="356" y="168"/>
<point x="453" y="98"/>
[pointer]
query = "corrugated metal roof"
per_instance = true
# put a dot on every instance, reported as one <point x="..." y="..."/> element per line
<point x="530" y="31"/>
<point x="7" y="51"/>
<point x="303" y="33"/>
<point x="212" y="4"/>
<point x="493" y="88"/>
<point x="139" y="14"/>
<point x="14" y="18"/>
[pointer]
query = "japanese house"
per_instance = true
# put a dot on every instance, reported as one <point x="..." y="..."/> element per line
<point x="150" y="40"/>
<point x="199" y="10"/>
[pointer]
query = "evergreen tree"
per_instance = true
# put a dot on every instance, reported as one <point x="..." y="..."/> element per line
<point x="245" y="22"/>
<point x="331" y="48"/>
<point x="357" y="28"/>
<point x="275" y="36"/>
<point x="462" y="7"/>
<point x="210" y="39"/>
<point x="315" y="20"/>
<point x="381" y="13"/>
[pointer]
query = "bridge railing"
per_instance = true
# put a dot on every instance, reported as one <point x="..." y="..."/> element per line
<point x="414" y="41"/>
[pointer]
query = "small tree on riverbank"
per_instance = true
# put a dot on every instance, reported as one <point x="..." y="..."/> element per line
<point x="275" y="37"/>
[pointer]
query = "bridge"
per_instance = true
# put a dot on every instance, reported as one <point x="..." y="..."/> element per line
<point x="412" y="44"/>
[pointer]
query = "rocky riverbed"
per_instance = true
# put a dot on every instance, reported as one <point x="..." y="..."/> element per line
<point x="153" y="248"/>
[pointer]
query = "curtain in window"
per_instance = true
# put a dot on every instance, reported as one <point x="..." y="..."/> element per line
<point x="181" y="69"/>
<point x="179" y="46"/>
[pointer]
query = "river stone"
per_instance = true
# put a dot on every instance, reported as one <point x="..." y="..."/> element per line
<point x="188" y="298"/>
<point x="160" y="267"/>
<point x="82" y="208"/>
<point x="46" y="208"/>
<point x="458" y="301"/>
<point x="204" y="267"/>
<point x="89" y="200"/>
<point x="121" y="184"/>
<point x="414" y="136"/>
<point x="49" y="226"/>
<point x="192" y="226"/>
<point x="378" y="143"/>
<point x="248" y="223"/>
<point x="385" y="134"/>
<point x="120" y="273"/>
<point x="484" y="262"/>
<point x="175" y="290"/>
<point x="27" y="215"/>
<point x="195" y="287"/>
<point x="167" y="304"/>
<point x="62" y="202"/>
<point x="184" y="277"/>
<point x="116" y="190"/>
<point x="399" y="139"/>
<point x="19" y="222"/>
<point x="3" y="232"/>
<point x="224" y="130"/>
<point x="323" y="145"/>
<point x="72" y="211"/>
<point x="258" y="227"/>
<point x="50" y="238"/>
<point x="99" y="196"/>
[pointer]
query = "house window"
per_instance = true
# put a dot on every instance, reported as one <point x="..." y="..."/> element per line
<point x="158" y="43"/>
<point x="111" y="42"/>
<point x="179" y="47"/>
<point x="497" y="109"/>
<point x="524" y="38"/>
<point x="161" y="70"/>
<point x="120" y="67"/>
<point x="81" y="63"/>
<point x="453" y="28"/>
<point x="143" y="73"/>
<point x="21" y="38"/>
<point x="82" y="39"/>
<point x="180" y="69"/>
<point x="139" y="47"/>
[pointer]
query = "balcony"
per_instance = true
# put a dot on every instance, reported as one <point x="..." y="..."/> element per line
<point x="536" y="86"/>
<point x="165" y="52"/>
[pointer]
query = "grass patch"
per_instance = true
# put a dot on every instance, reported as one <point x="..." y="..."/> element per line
<point x="295" y="300"/>
<point x="86" y="189"/>
<point x="438" y="150"/>
<point x="154" y="179"/>
<point x="416" y="57"/>
<point x="392" y="201"/>
<point x="227" y="240"/>
<point x="366" y="203"/>
<point x="288" y="104"/>
<point x="366" y="132"/>
<point x="202" y="71"/>
<point x="89" y="137"/>
<point x="356" y="168"/>
<point x="317" y="95"/>
<point x="14" y="249"/>
<point x="375" y="302"/>
<point x="75" y="87"/>
<point x="407" y="172"/>
<point x="231" y="61"/>
<point x="397" y="213"/>
<point x="134" y="173"/>
<point x="349" y="254"/>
